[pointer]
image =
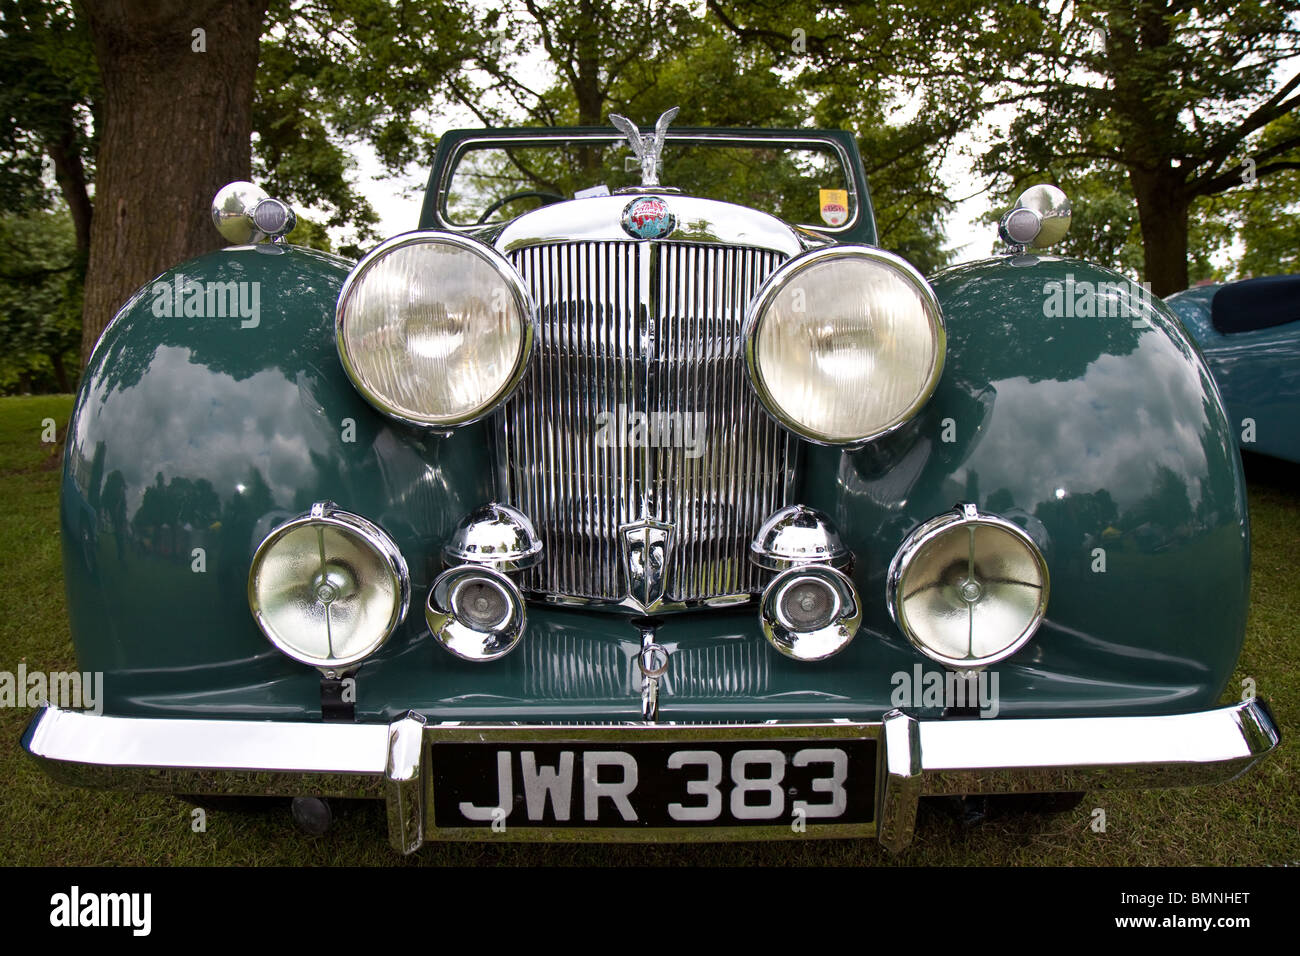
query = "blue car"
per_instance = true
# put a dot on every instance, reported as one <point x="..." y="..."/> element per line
<point x="1249" y="332"/>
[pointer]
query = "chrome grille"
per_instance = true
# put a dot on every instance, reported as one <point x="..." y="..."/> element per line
<point x="569" y="666"/>
<point x="642" y="328"/>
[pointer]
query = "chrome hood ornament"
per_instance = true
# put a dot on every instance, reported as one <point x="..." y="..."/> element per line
<point x="648" y="146"/>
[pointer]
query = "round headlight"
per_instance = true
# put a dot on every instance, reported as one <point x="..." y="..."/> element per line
<point x="968" y="589"/>
<point x="844" y="344"/>
<point x="434" y="329"/>
<point x="328" y="588"/>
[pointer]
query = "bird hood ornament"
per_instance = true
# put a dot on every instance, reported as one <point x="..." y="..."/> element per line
<point x="648" y="146"/>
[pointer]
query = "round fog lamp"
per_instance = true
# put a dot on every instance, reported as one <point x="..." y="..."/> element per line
<point x="968" y="589"/>
<point x="810" y="613"/>
<point x="328" y="588"/>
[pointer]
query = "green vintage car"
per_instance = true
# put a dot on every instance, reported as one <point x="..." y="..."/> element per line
<point x="639" y="495"/>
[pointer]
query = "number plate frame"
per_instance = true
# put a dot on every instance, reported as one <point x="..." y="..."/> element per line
<point x="863" y="739"/>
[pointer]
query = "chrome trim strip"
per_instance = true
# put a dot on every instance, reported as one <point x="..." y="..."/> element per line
<point x="918" y="758"/>
<point x="599" y="219"/>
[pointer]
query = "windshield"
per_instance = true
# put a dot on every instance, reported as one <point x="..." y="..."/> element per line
<point x="805" y="184"/>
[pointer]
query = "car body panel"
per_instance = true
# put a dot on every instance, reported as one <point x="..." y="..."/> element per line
<point x="1036" y="406"/>
<point x="1258" y="373"/>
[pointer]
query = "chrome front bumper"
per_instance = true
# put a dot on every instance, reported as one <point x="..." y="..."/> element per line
<point x="918" y="758"/>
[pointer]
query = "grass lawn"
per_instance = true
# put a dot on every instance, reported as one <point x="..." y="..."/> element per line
<point x="1255" y="820"/>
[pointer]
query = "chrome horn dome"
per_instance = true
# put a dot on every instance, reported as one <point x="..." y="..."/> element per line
<point x="495" y="536"/>
<point x="795" y="536"/>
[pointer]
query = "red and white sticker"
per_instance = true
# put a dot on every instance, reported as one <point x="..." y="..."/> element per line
<point x="835" y="206"/>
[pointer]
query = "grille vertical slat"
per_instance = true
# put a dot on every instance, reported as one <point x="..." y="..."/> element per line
<point x="597" y="302"/>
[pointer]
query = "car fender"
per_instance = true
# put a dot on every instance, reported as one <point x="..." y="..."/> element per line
<point x="195" y="431"/>
<point x="1101" y="434"/>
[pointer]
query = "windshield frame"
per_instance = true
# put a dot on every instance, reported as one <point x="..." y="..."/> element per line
<point x="860" y="227"/>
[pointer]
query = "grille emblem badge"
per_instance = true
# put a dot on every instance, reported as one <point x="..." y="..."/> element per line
<point x="648" y="218"/>
<point x="647" y="545"/>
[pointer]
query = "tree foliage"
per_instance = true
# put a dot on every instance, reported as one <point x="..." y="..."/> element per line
<point x="49" y="91"/>
<point x="1171" y="124"/>
<point x="40" y="301"/>
<point x="907" y="79"/>
<point x="336" y="74"/>
<point x="1173" y="95"/>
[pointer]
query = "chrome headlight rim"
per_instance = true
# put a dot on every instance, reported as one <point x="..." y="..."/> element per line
<point x="494" y="259"/>
<point x="328" y="514"/>
<point x="846" y="614"/>
<point x="927" y="532"/>
<point x="777" y="282"/>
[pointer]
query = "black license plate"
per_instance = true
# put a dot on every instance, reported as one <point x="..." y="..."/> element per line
<point x="620" y="784"/>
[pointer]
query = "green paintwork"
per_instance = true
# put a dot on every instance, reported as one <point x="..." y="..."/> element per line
<point x="197" y="433"/>
<point x="1090" y="433"/>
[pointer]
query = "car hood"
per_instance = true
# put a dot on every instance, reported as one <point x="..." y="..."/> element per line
<point x="601" y="219"/>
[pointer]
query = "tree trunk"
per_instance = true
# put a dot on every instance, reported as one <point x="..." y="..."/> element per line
<point x="60" y="373"/>
<point x="70" y="174"/>
<point x="177" y="125"/>
<point x="1162" y="212"/>
<point x="586" y="89"/>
